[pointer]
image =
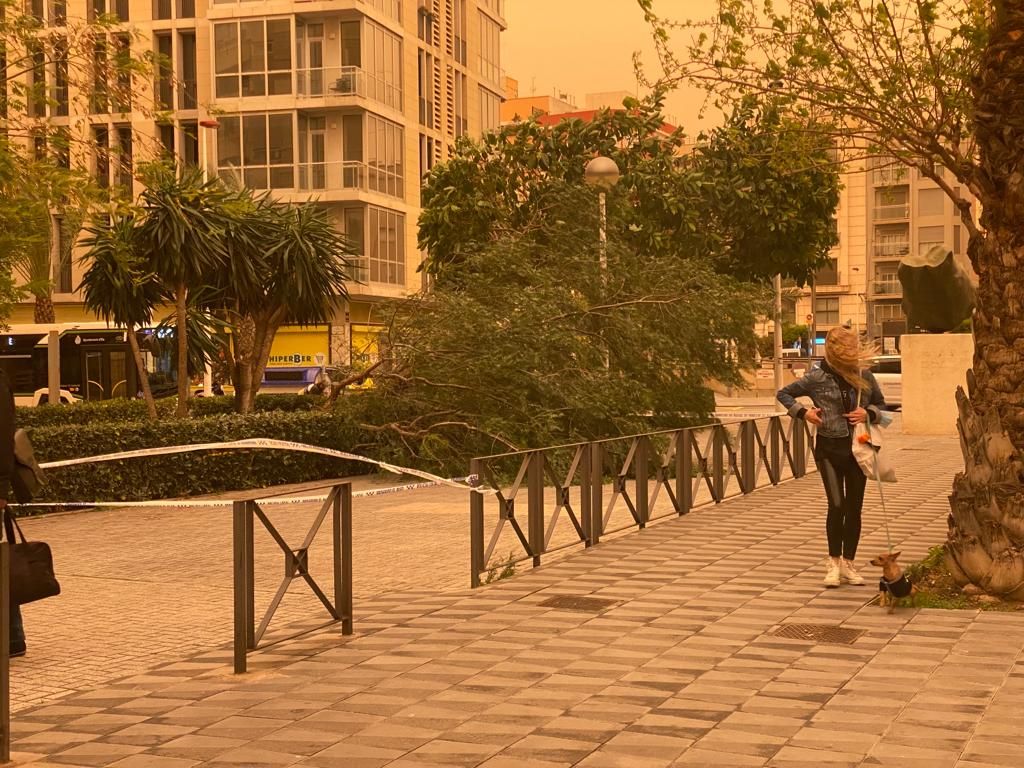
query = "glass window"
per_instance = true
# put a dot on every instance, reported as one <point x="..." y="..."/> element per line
<point x="253" y="58"/>
<point x="385" y="246"/>
<point x="190" y="142"/>
<point x="162" y="9"/>
<point x="382" y="60"/>
<point x="258" y="150"/>
<point x="931" y="202"/>
<point x="490" y="49"/>
<point x="490" y="110"/>
<point x="957" y="244"/>
<point x="385" y="144"/>
<point x="929" y="237"/>
<point x="826" y="311"/>
<point x="226" y="44"/>
<point x="62" y="242"/>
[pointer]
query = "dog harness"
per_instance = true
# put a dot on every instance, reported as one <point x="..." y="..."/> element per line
<point x="899" y="588"/>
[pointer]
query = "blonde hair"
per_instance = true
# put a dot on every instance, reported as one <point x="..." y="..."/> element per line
<point x="847" y="357"/>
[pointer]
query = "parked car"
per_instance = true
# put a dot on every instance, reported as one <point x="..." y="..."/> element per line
<point x="42" y="397"/>
<point x="888" y="370"/>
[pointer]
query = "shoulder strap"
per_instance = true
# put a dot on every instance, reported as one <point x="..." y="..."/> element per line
<point x="10" y="526"/>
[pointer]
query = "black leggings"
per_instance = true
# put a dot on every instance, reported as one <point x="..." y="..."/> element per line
<point x="844" y="486"/>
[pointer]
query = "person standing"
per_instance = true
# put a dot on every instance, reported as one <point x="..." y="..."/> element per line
<point x="843" y="395"/>
<point x="17" y="645"/>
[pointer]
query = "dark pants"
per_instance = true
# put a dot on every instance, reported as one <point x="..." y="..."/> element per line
<point x="844" y="486"/>
<point x="17" y="627"/>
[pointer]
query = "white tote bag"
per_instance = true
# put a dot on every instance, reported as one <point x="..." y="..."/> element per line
<point x="867" y="449"/>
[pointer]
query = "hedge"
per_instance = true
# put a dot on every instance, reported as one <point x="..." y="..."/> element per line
<point x="164" y="477"/>
<point x="122" y="410"/>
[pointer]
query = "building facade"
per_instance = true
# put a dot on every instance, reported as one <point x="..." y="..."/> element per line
<point x="348" y="102"/>
<point x="886" y="211"/>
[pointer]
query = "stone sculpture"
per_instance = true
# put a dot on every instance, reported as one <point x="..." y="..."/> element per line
<point x="937" y="291"/>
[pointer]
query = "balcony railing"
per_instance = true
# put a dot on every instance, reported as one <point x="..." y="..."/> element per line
<point x="891" y="176"/>
<point x="325" y="82"/>
<point x="891" y="212"/>
<point x="888" y="288"/>
<point x="349" y="174"/>
<point x="891" y="251"/>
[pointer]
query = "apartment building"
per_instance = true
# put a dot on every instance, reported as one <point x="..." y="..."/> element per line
<point x="886" y="211"/>
<point x="348" y="102"/>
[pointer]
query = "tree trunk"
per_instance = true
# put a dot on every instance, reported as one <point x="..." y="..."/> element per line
<point x="245" y="355"/>
<point x="266" y="329"/>
<point x="184" y="384"/>
<point x="140" y="366"/>
<point x="43" y="312"/>
<point x="986" y="524"/>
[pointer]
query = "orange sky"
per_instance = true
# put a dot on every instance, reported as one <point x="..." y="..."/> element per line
<point x="586" y="46"/>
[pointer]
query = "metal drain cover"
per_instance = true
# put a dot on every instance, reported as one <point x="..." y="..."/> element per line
<point x="819" y="633"/>
<point x="577" y="603"/>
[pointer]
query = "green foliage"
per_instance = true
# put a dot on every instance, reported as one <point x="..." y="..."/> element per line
<point x="756" y="199"/>
<point x="502" y="570"/>
<point x="516" y="355"/>
<point x="122" y="410"/>
<point x="163" y="477"/>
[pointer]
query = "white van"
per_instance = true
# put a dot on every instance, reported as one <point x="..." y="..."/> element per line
<point x="888" y="371"/>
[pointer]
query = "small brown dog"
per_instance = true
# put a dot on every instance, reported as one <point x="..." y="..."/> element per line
<point x="894" y="584"/>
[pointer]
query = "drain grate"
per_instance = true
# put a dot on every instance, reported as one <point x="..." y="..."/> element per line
<point x="577" y="603"/>
<point x="819" y="633"/>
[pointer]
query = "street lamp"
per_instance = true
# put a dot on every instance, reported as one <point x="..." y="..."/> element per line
<point x="602" y="173"/>
<point x="204" y="145"/>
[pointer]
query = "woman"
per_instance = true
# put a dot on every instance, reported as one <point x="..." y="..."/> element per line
<point x="843" y="395"/>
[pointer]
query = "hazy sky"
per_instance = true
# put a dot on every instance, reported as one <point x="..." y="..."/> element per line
<point x="586" y="46"/>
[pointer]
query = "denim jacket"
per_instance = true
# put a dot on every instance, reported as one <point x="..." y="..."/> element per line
<point x="826" y="390"/>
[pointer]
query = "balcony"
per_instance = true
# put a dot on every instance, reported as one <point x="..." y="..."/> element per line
<point x="892" y="212"/>
<point x="327" y="82"/>
<point x="887" y="288"/>
<point x="349" y="175"/>
<point x="891" y="176"/>
<point x="892" y="250"/>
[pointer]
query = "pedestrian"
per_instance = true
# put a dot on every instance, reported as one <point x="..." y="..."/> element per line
<point x="843" y="394"/>
<point x="17" y="644"/>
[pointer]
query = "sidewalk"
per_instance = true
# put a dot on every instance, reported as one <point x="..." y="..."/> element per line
<point x="677" y="669"/>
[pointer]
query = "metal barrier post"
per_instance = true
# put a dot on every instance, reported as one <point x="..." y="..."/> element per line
<point x="343" y="555"/>
<point x="641" y="472"/>
<point x="596" y="492"/>
<point x="535" y="505"/>
<point x="799" y="448"/>
<point x="241" y="540"/>
<point x="748" y="455"/>
<point x="5" y="649"/>
<point x="684" y="470"/>
<point x="717" y="462"/>
<point x="476" y="528"/>
<point x="586" y="497"/>
<point x="775" y="439"/>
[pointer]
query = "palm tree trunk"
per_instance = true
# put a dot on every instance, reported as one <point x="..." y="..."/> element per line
<point x="140" y="366"/>
<point x="43" y="312"/>
<point x="245" y="355"/>
<point x="986" y="524"/>
<point x="266" y="330"/>
<point x="182" y="334"/>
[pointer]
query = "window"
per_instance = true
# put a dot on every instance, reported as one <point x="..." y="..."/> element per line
<point x="385" y="149"/>
<point x="826" y="311"/>
<point x="929" y="237"/>
<point x="100" y="102"/>
<point x="125" y="161"/>
<point x="460" y="23"/>
<point x="118" y="8"/>
<point x="382" y="60"/>
<point x="888" y="313"/>
<point x="36" y="96"/>
<point x="162" y="9"/>
<point x="425" y="27"/>
<point x="101" y="156"/>
<point x="166" y="133"/>
<point x="190" y="143"/>
<point x="187" y="96"/>
<point x="58" y="13"/>
<point x="186" y="9"/>
<point x="490" y="110"/>
<point x="427" y="63"/>
<point x="258" y="147"/>
<point x="461" y="97"/>
<point x="254" y="58"/>
<point x="164" y="71"/>
<point x="60" y="78"/>
<point x="829" y="274"/>
<point x="931" y="202"/>
<point x="957" y="244"/>
<point x="353" y="225"/>
<point x="122" y="65"/>
<point x="385" y="246"/>
<point x="63" y="246"/>
<point x="428" y="149"/>
<point x="490" y="50"/>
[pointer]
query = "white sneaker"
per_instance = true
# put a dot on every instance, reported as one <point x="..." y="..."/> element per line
<point x="848" y="573"/>
<point x="832" y="573"/>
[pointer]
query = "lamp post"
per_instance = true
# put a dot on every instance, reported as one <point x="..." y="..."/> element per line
<point x="204" y="160"/>
<point x="602" y="173"/>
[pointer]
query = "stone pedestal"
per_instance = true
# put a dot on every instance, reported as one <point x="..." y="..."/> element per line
<point x="934" y="365"/>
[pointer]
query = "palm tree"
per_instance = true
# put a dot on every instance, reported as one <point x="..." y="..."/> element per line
<point x="118" y="288"/>
<point x="32" y="266"/>
<point x="182" y="240"/>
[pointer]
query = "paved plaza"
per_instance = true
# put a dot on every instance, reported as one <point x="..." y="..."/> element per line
<point x="131" y="666"/>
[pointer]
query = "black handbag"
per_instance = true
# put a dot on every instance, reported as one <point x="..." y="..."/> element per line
<point x="31" y="566"/>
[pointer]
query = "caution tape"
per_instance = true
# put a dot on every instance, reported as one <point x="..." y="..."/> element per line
<point x="469" y="483"/>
